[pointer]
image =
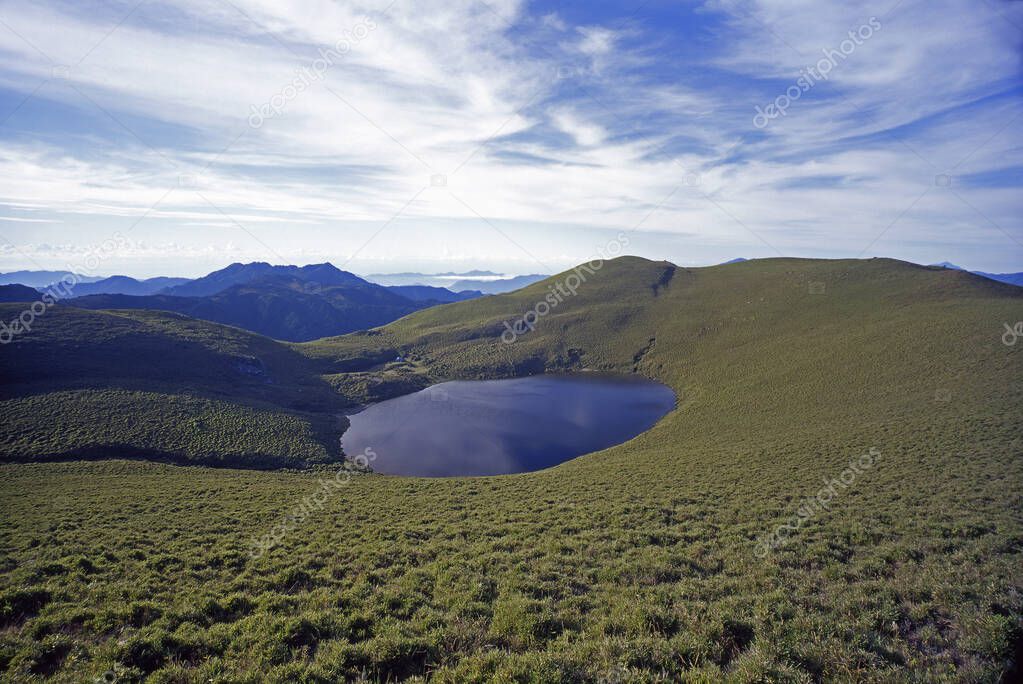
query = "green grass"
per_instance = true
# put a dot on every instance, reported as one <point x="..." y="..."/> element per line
<point x="176" y="428"/>
<point x="159" y="385"/>
<point x="636" y="563"/>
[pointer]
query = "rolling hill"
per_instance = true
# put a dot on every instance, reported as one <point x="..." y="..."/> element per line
<point x="141" y="384"/>
<point x="637" y="563"/>
<point x="18" y="293"/>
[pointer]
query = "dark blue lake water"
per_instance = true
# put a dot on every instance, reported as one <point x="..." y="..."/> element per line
<point x="495" y="427"/>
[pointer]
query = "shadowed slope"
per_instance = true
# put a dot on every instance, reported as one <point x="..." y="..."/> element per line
<point x="189" y="390"/>
<point x="286" y="303"/>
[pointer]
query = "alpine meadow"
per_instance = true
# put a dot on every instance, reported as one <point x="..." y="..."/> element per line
<point x="511" y="341"/>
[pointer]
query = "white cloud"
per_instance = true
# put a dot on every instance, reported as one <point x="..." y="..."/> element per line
<point x="553" y="21"/>
<point x="584" y="133"/>
<point x="436" y="85"/>
<point x="596" y="41"/>
<point x="19" y="219"/>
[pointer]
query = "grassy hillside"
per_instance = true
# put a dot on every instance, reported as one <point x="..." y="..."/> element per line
<point x="159" y="385"/>
<point x="643" y="562"/>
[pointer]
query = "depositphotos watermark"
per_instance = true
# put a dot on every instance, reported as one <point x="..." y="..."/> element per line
<point x="308" y="505"/>
<point x="562" y="290"/>
<point x="1012" y="333"/>
<point x="63" y="288"/>
<point x="311" y="73"/>
<point x="811" y="506"/>
<point x="812" y="75"/>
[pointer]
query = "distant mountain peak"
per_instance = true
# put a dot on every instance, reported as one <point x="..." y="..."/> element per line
<point x="325" y="274"/>
<point x="1009" y="278"/>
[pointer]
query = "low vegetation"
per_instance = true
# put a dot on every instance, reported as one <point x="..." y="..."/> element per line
<point x="177" y="428"/>
<point x="162" y="386"/>
<point x="637" y="563"/>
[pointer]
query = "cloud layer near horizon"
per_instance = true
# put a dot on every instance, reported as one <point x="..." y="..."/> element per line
<point x="508" y="134"/>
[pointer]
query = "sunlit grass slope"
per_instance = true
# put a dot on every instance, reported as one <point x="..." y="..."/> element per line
<point x="637" y="563"/>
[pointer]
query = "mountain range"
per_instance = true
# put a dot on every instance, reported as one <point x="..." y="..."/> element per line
<point x="294" y="303"/>
<point x="125" y="285"/>
<point x="483" y="281"/>
<point x="39" y="279"/>
<point x="291" y="303"/>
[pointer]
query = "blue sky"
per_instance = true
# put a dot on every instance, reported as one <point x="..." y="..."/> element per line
<point x="516" y="136"/>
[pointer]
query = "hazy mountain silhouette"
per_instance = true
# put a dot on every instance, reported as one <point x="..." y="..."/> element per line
<point x="497" y="286"/>
<point x="293" y="303"/>
<point x="18" y="293"/>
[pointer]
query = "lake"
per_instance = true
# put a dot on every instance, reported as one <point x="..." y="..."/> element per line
<point x="495" y="427"/>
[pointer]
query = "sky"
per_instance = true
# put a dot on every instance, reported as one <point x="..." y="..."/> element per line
<point x="176" y="137"/>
